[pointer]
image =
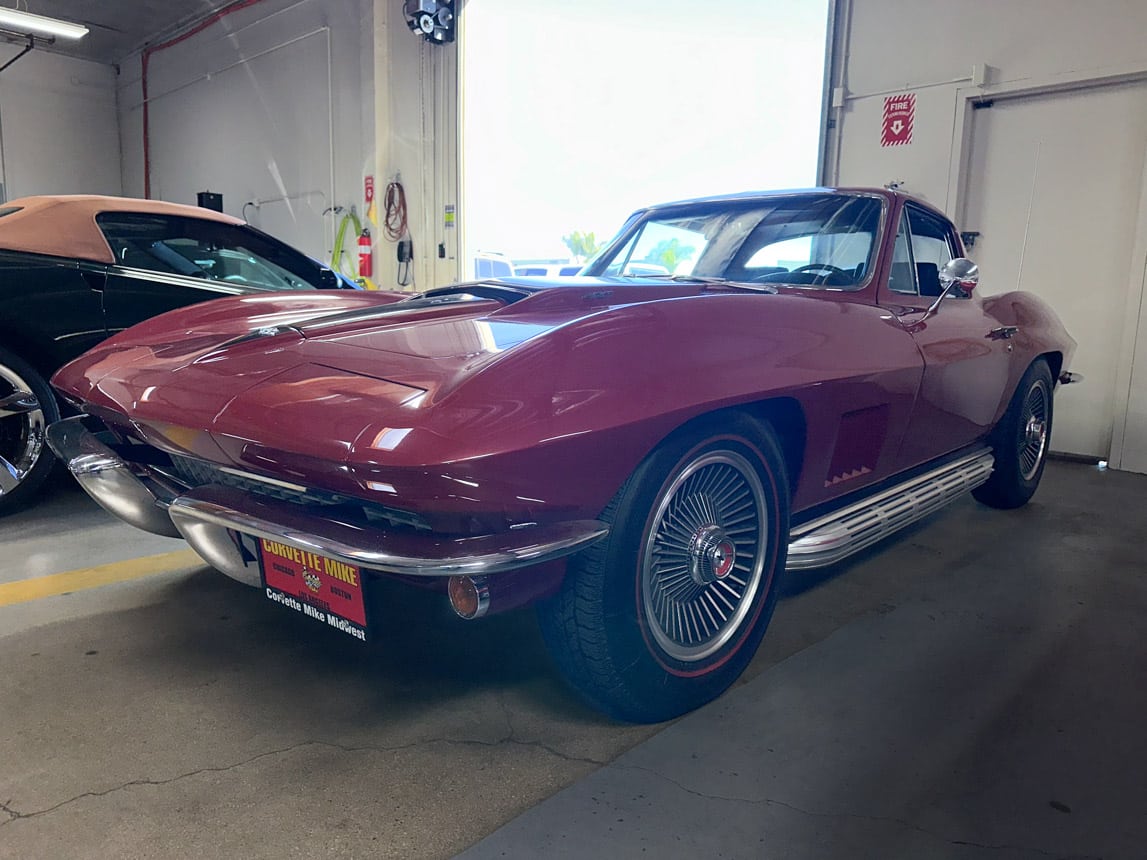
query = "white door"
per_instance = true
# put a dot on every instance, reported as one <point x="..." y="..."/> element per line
<point x="1053" y="190"/>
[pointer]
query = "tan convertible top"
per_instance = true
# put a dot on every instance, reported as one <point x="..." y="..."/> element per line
<point x="65" y="225"/>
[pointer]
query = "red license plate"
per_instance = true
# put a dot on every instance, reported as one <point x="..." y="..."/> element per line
<point x="321" y="588"/>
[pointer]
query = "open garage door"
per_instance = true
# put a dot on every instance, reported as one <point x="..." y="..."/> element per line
<point x="575" y="114"/>
<point x="1054" y="193"/>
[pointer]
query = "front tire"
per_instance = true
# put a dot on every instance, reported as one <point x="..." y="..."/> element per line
<point x="666" y="612"/>
<point x="27" y="458"/>
<point x="1020" y="442"/>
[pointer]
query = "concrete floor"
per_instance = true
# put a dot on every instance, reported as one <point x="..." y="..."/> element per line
<point x="974" y="688"/>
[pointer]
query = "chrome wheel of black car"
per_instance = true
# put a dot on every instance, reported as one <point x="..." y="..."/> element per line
<point x="1020" y="441"/>
<point x="664" y="614"/>
<point x="26" y="408"/>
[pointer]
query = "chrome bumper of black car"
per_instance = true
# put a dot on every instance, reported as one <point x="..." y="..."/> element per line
<point x="210" y="519"/>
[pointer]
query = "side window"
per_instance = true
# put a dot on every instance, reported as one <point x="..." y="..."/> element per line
<point x="932" y="248"/>
<point x="902" y="277"/>
<point x="785" y="255"/>
<point x="203" y="249"/>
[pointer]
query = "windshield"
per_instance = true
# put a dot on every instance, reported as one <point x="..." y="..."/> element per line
<point x="813" y="240"/>
<point x="200" y="248"/>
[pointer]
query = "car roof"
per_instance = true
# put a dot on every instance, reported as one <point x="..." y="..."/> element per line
<point x="742" y="196"/>
<point x="65" y="225"/>
<point x="762" y="196"/>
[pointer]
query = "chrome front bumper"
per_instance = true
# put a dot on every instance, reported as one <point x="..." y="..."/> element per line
<point x="213" y="519"/>
<point x="122" y="489"/>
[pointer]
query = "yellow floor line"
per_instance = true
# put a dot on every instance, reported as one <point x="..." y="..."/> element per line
<point x="93" y="577"/>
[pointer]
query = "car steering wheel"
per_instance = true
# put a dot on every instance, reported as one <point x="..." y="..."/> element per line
<point x="833" y="275"/>
<point x="820" y="267"/>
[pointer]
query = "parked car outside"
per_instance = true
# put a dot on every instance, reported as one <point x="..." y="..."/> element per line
<point x="492" y="264"/>
<point x="75" y="269"/>
<point x="548" y="270"/>
<point x="642" y="456"/>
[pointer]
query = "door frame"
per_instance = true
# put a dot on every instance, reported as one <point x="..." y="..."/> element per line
<point x="959" y="169"/>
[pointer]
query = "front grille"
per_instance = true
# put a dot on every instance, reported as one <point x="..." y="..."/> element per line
<point x="198" y="473"/>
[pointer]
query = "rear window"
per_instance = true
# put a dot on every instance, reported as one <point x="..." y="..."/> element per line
<point x="8" y="210"/>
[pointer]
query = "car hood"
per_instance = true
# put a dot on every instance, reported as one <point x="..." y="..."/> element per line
<point x="322" y="377"/>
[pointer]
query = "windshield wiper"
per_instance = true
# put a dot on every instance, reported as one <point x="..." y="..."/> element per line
<point x="708" y="281"/>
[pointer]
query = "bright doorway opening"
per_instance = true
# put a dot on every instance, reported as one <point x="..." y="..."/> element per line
<point x="576" y="114"/>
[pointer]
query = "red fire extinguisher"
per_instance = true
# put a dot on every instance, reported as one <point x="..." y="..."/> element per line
<point x="365" y="258"/>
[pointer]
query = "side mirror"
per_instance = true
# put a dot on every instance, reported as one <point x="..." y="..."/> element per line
<point x="960" y="272"/>
<point x="328" y="280"/>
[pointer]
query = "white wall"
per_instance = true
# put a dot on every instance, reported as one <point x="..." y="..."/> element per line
<point x="930" y="47"/>
<point x="60" y="134"/>
<point x="1029" y="48"/>
<point x="273" y="101"/>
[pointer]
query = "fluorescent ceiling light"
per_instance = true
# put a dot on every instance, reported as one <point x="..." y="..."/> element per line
<point x="26" y="22"/>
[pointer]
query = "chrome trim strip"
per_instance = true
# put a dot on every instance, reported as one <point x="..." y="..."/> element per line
<point x="207" y="516"/>
<point x="180" y="281"/>
<point x="837" y="535"/>
<point x="262" y="479"/>
<point x="110" y="480"/>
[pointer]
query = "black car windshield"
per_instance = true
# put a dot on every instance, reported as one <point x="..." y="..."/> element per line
<point x="200" y="248"/>
<point x="807" y="240"/>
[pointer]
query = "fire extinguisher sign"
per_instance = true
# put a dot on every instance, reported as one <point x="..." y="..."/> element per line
<point x="899" y="117"/>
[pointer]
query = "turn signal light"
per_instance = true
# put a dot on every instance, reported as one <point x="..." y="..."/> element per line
<point x="469" y="596"/>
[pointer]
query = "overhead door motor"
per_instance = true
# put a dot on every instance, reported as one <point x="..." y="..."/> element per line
<point x="432" y="19"/>
<point x="210" y="200"/>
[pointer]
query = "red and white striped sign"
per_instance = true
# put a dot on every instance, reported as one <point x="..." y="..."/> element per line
<point x="899" y="116"/>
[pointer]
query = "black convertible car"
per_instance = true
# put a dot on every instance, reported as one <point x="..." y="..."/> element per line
<point x="77" y="269"/>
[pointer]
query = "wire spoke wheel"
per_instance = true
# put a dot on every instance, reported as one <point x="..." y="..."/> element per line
<point x="1034" y="429"/>
<point x="665" y="612"/>
<point x="703" y="559"/>
<point x="1020" y="441"/>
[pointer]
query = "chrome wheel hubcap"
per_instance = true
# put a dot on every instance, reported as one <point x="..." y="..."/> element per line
<point x="703" y="560"/>
<point x="22" y="426"/>
<point x="1033" y="436"/>
<point x="711" y="554"/>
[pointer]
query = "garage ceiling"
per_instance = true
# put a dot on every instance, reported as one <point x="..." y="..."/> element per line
<point x="118" y="27"/>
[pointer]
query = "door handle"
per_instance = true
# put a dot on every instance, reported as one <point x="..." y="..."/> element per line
<point x="1004" y="332"/>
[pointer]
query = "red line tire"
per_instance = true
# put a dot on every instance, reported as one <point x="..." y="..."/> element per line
<point x="665" y="613"/>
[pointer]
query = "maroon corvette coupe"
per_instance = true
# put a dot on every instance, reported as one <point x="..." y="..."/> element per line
<point x="735" y="386"/>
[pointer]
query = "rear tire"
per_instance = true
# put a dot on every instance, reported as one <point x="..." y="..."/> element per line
<point x="667" y="611"/>
<point x="1020" y="442"/>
